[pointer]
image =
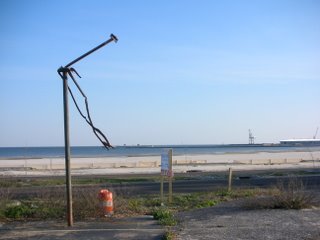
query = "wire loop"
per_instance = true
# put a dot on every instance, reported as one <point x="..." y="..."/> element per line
<point x="99" y="134"/>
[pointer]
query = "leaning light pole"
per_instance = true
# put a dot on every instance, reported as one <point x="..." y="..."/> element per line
<point x="64" y="72"/>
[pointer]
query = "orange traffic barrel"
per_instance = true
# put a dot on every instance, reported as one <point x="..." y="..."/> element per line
<point x="105" y="197"/>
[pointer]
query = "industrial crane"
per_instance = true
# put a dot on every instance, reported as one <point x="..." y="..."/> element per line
<point x="315" y="135"/>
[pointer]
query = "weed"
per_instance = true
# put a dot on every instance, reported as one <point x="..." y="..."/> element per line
<point x="5" y="199"/>
<point x="47" y="212"/>
<point x="2" y="214"/>
<point x="50" y="203"/>
<point x="86" y="203"/>
<point x="164" y="216"/>
<point x="5" y="194"/>
<point x="20" y="211"/>
<point x="185" y="201"/>
<point x="290" y="195"/>
<point x="169" y="235"/>
<point x="135" y="205"/>
<point x="224" y="193"/>
<point x="152" y="202"/>
<point x="208" y="203"/>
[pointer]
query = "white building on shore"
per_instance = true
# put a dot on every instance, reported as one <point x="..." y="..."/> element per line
<point x="301" y="142"/>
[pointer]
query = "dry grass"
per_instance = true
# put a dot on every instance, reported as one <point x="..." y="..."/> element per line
<point x="293" y="195"/>
<point x="286" y="195"/>
<point x="5" y="199"/>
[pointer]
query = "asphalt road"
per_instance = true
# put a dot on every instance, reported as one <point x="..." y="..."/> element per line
<point x="202" y="185"/>
<point x="141" y="227"/>
<point x="232" y="220"/>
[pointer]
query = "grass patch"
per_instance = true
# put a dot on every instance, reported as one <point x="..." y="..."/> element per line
<point x="184" y="202"/>
<point x="164" y="216"/>
<point x="169" y="235"/>
<point x="20" y="211"/>
<point x="32" y="210"/>
<point x="29" y="182"/>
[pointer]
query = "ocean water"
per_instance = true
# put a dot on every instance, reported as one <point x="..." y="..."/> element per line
<point x="55" y="152"/>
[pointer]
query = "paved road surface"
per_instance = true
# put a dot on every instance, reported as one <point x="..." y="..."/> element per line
<point x="230" y="221"/>
<point x="144" y="228"/>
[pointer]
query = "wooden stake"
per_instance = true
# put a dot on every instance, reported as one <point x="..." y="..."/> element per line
<point x="170" y="177"/>
<point x="161" y="190"/>
<point x="230" y="180"/>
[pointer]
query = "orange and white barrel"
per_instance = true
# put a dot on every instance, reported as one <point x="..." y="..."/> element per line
<point x="106" y="199"/>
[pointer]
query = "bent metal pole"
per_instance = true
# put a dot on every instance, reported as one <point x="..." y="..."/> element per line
<point x="63" y="73"/>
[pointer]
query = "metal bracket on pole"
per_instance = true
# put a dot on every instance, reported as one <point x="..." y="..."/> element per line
<point x="63" y="73"/>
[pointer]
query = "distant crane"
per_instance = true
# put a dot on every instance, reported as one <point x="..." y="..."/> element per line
<point x="251" y="137"/>
<point x="315" y="135"/>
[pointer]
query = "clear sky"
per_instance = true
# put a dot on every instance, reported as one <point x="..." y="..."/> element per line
<point x="182" y="72"/>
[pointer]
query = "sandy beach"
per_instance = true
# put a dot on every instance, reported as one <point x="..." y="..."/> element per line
<point x="151" y="164"/>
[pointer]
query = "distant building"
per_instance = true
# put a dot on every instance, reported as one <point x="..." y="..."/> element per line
<point x="301" y="142"/>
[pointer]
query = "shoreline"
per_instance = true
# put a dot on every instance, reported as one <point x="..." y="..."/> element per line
<point x="151" y="164"/>
<point x="22" y="153"/>
<point x="310" y="151"/>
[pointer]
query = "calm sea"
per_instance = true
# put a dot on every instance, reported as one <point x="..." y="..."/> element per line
<point x="52" y="152"/>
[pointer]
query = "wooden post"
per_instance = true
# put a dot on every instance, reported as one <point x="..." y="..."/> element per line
<point x="166" y="172"/>
<point x="26" y="166"/>
<point x="230" y="180"/>
<point x="161" y="190"/>
<point x="170" y="176"/>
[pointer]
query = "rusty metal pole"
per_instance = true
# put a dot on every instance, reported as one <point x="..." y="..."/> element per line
<point x="63" y="72"/>
<point x="111" y="39"/>
<point x="67" y="148"/>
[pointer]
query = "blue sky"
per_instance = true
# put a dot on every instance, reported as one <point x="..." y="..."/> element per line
<point x="182" y="72"/>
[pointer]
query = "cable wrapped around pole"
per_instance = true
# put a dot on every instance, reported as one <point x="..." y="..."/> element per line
<point x="99" y="134"/>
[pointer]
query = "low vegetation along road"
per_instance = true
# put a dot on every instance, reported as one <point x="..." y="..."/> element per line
<point x="182" y="184"/>
<point x="264" y="193"/>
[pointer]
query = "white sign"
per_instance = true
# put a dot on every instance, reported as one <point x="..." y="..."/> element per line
<point x="165" y="165"/>
<point x="164" y="162"/>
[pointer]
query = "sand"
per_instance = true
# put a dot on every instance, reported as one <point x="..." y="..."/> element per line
<point x="151" y="164"/>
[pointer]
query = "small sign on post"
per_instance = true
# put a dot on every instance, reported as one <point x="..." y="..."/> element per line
<point x="166" y="171"/>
